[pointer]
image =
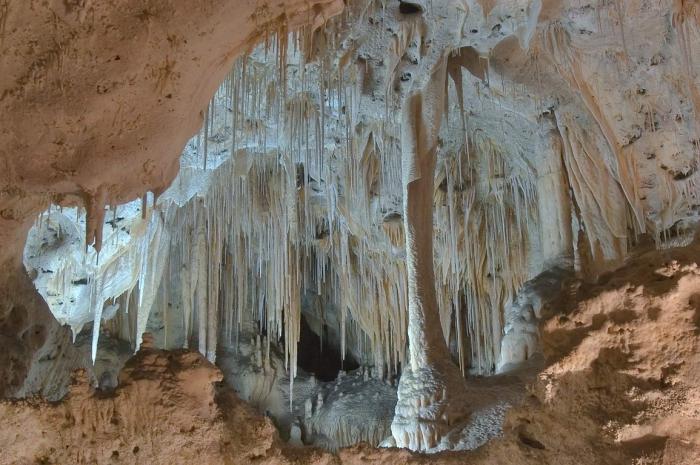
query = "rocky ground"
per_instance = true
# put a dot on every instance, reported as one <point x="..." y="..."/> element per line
<point x="620" y="385"/>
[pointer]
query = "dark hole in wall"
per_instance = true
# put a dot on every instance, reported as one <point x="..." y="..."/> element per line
<point x="409" y="8"/>
<point x="321" y="359"/>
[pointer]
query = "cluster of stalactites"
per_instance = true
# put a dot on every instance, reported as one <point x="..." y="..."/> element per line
<point x="274" y="223"/>
<point x="115" y="281"/>
<point x="484" y="210"/>
<point x="296" y="212"/>
<point x="310" y="200"/>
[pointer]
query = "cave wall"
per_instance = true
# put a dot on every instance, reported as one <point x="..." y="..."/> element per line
<point x="97" y="100"/>
<point x="562" y="99"/>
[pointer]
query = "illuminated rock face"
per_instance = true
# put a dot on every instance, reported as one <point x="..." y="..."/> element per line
<point x="414" y="181"/>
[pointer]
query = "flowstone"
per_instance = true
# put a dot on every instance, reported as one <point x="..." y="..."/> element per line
<point x="431" y="403"/>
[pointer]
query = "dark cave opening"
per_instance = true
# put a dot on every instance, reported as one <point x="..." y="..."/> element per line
<point x="318" y="356"/>
<point x="410" y="8"/>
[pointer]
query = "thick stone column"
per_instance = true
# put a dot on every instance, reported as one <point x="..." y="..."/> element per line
<point x="431" y="389"/>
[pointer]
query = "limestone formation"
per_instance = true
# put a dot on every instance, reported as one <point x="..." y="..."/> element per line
<point x="441" y="225"/>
